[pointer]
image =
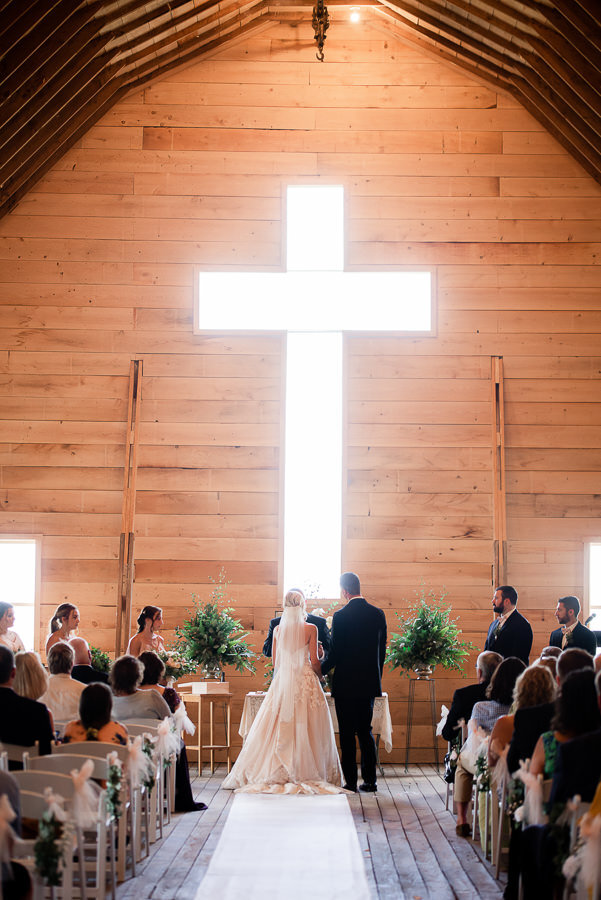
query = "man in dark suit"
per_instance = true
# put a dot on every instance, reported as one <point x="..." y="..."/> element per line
<point x="323" y="633"/>
<point x="357" y="653"/>
<point x="22" y="721"/>
<point x="82" y="670"/>
<point x="464" y="698"/>
<point x="511" y="634"/>
<point x="571" y="633"/>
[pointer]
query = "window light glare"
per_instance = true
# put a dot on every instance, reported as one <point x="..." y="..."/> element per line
<point x="355" y="14"/>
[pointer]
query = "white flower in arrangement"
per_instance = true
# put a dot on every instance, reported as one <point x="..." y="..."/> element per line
<point x="519" y="814"/>
<point x="319" y="612"/>
<point x="329" y="621"/>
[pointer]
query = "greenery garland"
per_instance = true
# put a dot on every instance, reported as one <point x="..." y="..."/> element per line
<point x="114" y="803"/>
<point x="101" y="661"/>
<point x="55" y="839"/>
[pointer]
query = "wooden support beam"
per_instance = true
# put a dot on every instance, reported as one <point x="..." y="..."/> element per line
<point x="126" y="540"/>
<point x="498" y="472"/>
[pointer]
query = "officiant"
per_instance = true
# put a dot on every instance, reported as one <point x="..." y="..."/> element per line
<point x="323" y="633"/>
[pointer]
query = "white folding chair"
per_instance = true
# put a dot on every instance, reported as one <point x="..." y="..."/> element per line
<point x="127" y="822"/>
<point x="14" y="753"/>
<point x="33" y="806"/>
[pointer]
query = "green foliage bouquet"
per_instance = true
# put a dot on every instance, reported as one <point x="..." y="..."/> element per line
<point x="211" y="637"/>
<point x="429" y="637"/>
<point x="101" y="661"/>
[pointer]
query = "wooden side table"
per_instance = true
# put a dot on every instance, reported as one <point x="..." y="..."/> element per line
<point x="197" y="745"/>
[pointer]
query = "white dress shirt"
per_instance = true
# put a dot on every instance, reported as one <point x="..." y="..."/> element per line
<point x="62" y="697"/>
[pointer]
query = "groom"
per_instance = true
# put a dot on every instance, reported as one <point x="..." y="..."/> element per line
<point x="357" y="651"/>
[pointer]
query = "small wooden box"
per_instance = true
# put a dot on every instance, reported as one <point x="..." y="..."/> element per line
<point x="206" y="687"/>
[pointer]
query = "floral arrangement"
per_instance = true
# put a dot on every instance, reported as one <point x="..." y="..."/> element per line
<point x="177" y="663"/>
<point x="101" y="661"/>
<point x="211" y="637"/>
<point x="148" y="750"/>
<point x="483" y="773"/>
<point x="429" y="637"/>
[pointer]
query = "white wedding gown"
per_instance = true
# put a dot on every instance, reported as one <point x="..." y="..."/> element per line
<point x="290" y="748"/>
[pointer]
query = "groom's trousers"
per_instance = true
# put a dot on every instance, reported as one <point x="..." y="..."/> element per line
<point x="354" y="718"/>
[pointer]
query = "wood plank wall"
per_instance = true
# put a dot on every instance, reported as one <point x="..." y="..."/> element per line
<point x="440" y="171"/>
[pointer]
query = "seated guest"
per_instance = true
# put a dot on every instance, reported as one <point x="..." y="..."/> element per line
<point x="62" y="696"/>
<point x="31" y="678"/>
<point x="576" y="713"/>
<point x="154" y="670"/>
<point x="550" y="663"/>
<point x="95" y="722"/>
<point x="22" y="721"/>
<point x="465" y="697"/>
<point x="529" y="723"/>
<point x="484" y="715"/>
<point x="82" y="668"/>
<point x="571" y="633"/>
<point x="16" y="883"/>
<point x="550" y="651"/>
<point x="534" y="686"/>
<point x="130" y="702"/>
<point x="578" y="764"/>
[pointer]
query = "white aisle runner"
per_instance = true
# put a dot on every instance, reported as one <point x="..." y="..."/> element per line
<point x="286" y="847"/>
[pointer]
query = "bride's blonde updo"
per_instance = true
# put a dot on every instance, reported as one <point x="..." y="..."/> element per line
<point x="295" y="597"/>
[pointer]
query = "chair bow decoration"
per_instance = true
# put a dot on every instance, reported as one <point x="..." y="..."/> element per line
<point x="182" y="722"/>
<point x="532" y="812"/>
<point x="86" y="799"/>
<point x="444" y="712"/>
<point x="142" y="765"/>
<point x="168" y="740"/>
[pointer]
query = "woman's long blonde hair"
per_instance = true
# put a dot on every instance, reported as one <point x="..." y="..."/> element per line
<point x="31" y="679"/>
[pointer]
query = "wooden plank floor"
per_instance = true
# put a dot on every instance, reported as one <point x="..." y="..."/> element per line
<point x="408" y="841"/>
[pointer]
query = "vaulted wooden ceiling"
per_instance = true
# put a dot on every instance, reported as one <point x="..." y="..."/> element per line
<point x="64" y="63"/>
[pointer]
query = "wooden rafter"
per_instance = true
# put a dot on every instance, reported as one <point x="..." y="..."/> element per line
<point x="63" y="63"/>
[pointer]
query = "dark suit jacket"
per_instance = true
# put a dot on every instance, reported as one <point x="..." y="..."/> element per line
<point x="461" y="707"/>
<point x="514" y="639"/>
<point x="528" y="725"/>
<point x="577" y="768"/>
<point x="581" y="637"/>
<point x="323" y="633"/>
<point x="358" y="650"/>
<point x="24" y="721"/>
<point x="88" y="675"/>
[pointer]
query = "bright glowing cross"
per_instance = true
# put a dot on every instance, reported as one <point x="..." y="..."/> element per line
<point x="314" y="301"/>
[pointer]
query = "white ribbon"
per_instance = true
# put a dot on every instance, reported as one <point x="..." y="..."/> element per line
<point x="182" y="722"/>
<point x="87" y="796"/>
<point x="56" y="804"/>
<point x="590" y="831"/>
<point x="444" y="712"/>
<point x="168" y="741"/>
<point x="141" y="766"/>
<point x="533" y="800"/>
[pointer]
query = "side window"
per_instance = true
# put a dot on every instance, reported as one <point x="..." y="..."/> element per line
<point x="20" y="564"/>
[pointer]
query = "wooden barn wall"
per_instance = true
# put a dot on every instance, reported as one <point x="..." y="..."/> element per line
<point x="440" y="171"/>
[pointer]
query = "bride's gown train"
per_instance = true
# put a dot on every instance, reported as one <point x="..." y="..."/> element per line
<point x="290" y="747"/>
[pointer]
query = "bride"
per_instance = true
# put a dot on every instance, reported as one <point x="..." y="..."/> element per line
<point x="290" y="748"/>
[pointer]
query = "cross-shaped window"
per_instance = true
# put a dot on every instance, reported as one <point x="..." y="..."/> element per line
<point x="314" y="301"/>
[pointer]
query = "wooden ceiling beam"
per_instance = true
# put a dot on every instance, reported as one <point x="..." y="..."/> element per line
<point x="173" y="28"/>
<point x="22" y="62"/>
<point x="23" y="181"/>
<point x="20" y="28"/>
<point x="591" y="8"/>
<point x="197" y="30"/>
<point x="581" y="20"/>
<point x="15" y="20"/>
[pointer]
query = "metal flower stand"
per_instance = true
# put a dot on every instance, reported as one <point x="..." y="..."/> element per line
<point x="431" y="684"/>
